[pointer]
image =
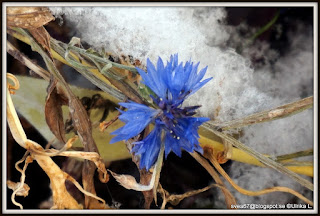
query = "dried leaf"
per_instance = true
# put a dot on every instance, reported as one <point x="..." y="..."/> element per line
<point x="24" y="191"/>
<point x="33" y="19"/>
<point x="146" y="177"/>
<point x="82" y="124"/>
<point x="28" y="17"/>
<point x="88" y="185"/>
<point x="42" y="37"/>
<point x="53" y="112"/>
<point x="129" y="182"/>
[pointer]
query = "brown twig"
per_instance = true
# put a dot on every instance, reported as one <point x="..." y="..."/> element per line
<point x="104" y="125"/>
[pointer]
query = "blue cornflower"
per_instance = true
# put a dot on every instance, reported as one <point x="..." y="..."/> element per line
<point x="172" y="84"/>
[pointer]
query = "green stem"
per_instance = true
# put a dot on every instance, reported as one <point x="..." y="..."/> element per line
<point x="265" y="27"/>
<point x="260" y="31"/>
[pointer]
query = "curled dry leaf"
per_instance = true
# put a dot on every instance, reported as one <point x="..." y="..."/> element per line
<point x="127" y="181"/>
<point x="53" y="112"/>
<point x="23" y="191"/>
<point x="148" y="180"/>
<point x="61" y="197"/>
<point x="16" y="84"/>
<point x="28" y="17"/>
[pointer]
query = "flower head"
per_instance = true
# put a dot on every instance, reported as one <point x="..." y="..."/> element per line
<point x="174" y="125"/>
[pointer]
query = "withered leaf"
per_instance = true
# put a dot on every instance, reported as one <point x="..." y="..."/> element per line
<point x="28" y="17"/>
<point x="42" y="37"/>
<point x="53" y="111"/>
<point x="82" y="124"/>
<point x="129" y="182"/>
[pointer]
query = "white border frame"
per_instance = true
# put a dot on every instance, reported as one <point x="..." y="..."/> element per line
<point x="148" y="4"/>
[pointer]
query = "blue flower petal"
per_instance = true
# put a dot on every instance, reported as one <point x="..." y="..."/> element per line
<point x="136" y="118"/>
<point x="172" y="144"/>
<point x="149" y="148"/>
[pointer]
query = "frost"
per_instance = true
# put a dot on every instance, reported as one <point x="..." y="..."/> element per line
<point x="231" y="94"/>
<point x="143" y="32"/>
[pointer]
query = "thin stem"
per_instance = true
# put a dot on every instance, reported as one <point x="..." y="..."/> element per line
<point x="269" y="115"/>
<point x="265" y="27"/>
